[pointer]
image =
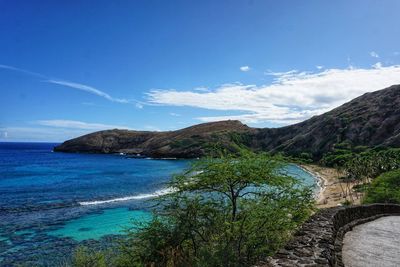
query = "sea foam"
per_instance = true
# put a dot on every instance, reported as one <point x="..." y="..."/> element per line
<point x="157" y="193"/>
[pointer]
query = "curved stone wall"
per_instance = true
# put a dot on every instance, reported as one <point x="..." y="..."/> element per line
<point x="319" y="241"/>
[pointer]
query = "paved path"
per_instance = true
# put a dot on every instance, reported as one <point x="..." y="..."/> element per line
<point x="375" y="243"/>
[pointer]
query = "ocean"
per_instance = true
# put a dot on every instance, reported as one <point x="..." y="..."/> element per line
<point x="52" y="202"/>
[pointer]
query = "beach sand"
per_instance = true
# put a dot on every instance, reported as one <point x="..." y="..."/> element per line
<point x="331" y="194"/>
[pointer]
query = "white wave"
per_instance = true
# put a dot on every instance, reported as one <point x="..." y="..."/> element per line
<point x="157" y="193"/>
<point x="160" y="158"/>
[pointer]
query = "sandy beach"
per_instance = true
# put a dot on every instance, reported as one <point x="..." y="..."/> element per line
<point x="331" y="194"/>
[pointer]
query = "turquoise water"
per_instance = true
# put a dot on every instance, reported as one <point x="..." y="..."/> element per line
<point x="52" y="202"/>
<point x="94" y="226"/>
<point x="301" y="174"/>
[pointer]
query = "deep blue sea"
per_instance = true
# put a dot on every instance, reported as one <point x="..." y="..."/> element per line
<point x="52" y="202"/>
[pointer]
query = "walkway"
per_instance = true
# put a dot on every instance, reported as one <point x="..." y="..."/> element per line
<point x="376" y="243"/>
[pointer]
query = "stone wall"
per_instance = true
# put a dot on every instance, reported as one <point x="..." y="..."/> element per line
<point x="319" y="241"/>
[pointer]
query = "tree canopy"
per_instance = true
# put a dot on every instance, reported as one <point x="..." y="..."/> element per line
<point x="384" y="189"/>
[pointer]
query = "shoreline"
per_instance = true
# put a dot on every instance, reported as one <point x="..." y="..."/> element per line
<point x="330" y="193"/>
<point x="320" y="180"/>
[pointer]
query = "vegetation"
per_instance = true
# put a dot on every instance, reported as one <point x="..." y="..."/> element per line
<point x="384" y="189"/>
<point x="227" y="211"/>
<point x="84" y="257"/>
<point x="341" y="154"/>
<point x="359" y="166"/>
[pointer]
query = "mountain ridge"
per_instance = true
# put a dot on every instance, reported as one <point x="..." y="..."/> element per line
<point x="372" y="119"/>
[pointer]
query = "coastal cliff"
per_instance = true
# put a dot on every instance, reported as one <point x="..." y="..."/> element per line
<point x="372" y="119"/>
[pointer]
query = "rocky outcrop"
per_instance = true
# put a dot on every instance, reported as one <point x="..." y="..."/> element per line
<point x="191" y="142"/>
<point x="319" y="241"/>
<point x="372" y="119"/>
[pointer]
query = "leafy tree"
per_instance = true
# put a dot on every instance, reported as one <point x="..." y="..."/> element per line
<point x="364" y="167"/>
<point x="84" y="257"/>
<point x="229" y="211"/>
<point x="384" y="189"/>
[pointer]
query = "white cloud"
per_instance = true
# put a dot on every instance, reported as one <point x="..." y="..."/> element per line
<point x="201" y="89"/>
<point x="377" y="65"/>
<point x="292" y="97"/>
<point x="151" y="128"/>
<point x="70" y="124"/>
<point x="31" y="73"/>
<point x="174" y="114"/>
<point x="374" y="54"/>
<point x="244" y="68"/>
<point x="40" y="134"/>
<point x="74" y="85"/>
<point x="319" y="67"/>
<point x="88" y="89"/>
<point x="5" y="134"/>
<point x="56" y="130"/>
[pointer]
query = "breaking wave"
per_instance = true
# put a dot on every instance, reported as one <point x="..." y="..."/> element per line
<point x="157" y="193"/>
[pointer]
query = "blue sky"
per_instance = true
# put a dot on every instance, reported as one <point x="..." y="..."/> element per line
<point x="73" y="67"/>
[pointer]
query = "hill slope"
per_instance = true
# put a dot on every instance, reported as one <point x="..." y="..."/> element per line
<point x="194" y="141"/>
<point x="371" y="119"/>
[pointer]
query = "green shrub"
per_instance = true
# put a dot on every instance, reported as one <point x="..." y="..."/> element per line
<point x="84" y="257"/>
<point x="384" y="189"/>
<point x="184" y="143"/>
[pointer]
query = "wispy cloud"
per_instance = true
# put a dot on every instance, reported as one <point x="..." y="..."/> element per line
<point x="139" y="105"/>
<point x="39" y="134"/>
<point x="71" y="124"/>
<point x="292" y="97"/>
<point x="75" y="85"/>
<point x="30" y="73"/>
<point x="88" y="89"/>
<point x="151" y="128"/>
<point x="244" y="68"/>
<point x="374" y="54"/>
<point x="55" y="130"/>
<point x="201" y="89"/>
